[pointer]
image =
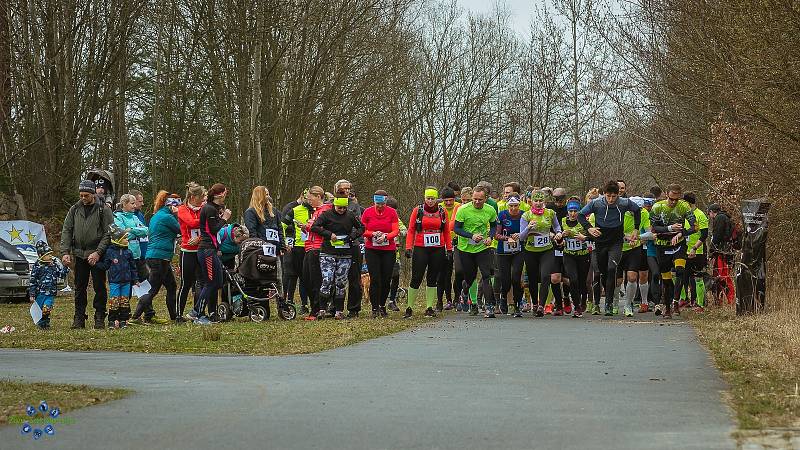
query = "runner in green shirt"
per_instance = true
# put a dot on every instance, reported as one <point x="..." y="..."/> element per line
<point x="475" y="226"/>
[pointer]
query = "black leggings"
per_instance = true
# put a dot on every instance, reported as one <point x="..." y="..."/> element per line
<point x="312" y="277"/>
<point x="293" y="272"/>
<point x="577" y="270"/>
<point x="608" y="257"/>
<point x="539" y="266"/>
<point x="458" y="271"/>
<point x="444" y="286"/>
<point x="190" y="274"/>
<point x="160" y="275"/>
<point x="471" y="263"/>
<point x="655" y="280"/>
<point x="430" y="258"/>
<point x="510" y="268"/>
<point x="380" y="264"/>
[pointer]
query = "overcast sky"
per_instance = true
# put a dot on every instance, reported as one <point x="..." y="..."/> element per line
<point x="521" y="10"/>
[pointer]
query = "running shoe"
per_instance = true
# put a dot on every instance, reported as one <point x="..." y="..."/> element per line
<point x="595" y="310"/>
<point x="548" y="308"/>
<point x="138" y="321"/>
<point x="339" y="315"/>
<point x="628" y="311"/>
<point x="123" y="324"/>
<point x="489" y="312"/>
<point x="448" y="306"/>
<point x="643" y="308"/>
<point x="558" y="312"/>
<point x="304" y="310"/>
<point x="191" y="315"/>
<point x="202" y="321"/>
<point x="615" y="310"/>
<point x="157" y="320"/>
<point x="577" y="314"/>
<point x="517" y="312"/>
<point x="458" y="307"/>
<point x="540" y="311"/>
<point x="667" y="313"/>
<point x="408" y="313"/>
<point x="682" y="304"/>
<point x="310" y="317"/>
<point x="382" y="311"/>
<point x="526" y="307"/>
<point x="610" y="311"/>
<point x="676" y="308"/>
<point x="321" y="315"/>
<point x="430" y="313"/>
<point x="393" y="306"/>
<point x="659" y="309"/>
<point x="568" y="308"/>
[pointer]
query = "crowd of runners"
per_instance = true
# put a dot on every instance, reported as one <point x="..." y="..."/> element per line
<point x="514" y="251"/>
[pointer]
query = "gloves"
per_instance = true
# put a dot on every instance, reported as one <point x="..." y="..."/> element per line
<point x="408" y="254"/>
<point x="449" y="255"/>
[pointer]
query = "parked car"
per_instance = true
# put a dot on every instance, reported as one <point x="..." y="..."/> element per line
<point x="15" y="273"/>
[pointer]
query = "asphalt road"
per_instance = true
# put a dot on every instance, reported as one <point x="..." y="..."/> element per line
<point x="462" y="383"/>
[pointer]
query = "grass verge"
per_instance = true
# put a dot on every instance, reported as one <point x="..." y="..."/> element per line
<point x="759" y="356"/>
<point x="15" y="396"/>
<point x="273" y="337"/>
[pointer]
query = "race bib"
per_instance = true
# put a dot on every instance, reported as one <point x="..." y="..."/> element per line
<point x="269" y="249"/>
<point x="377" y="243"/>
<point x="290" y="242"/>
<point x="511" y="246"/>
<point x="194" y="233"/>
<point x="573" y="245"/>
<point x="540" y="241"/>
<point x="559" y="253"/>
<point x="432" y="239"/>
<point x="272" y="235"/>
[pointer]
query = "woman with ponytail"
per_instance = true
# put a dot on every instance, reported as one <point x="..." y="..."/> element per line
<point x="162" y="232"/>
<point x="213" y="216"/>
<point x="189" y="220"/>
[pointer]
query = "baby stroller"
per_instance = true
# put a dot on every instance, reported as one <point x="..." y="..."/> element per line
<point x="253" y="285"/>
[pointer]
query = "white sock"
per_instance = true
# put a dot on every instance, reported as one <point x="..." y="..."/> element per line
<point x="644" y="288"/>
<point x="630" y="293"/>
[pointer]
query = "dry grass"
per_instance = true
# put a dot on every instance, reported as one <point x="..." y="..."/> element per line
<point x="759" y="355"/>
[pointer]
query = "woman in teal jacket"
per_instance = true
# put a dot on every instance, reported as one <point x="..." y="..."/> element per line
<point x="127" y="219"/>
<point x="164" y="230"/>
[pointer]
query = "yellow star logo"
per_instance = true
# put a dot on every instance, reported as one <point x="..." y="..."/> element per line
<point x="30" y="237"/>
<point x="15" y="234"/>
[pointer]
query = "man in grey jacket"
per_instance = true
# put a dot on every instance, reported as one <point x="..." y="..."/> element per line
<point x="84" y="238"/>
<point x="608" y="234"/>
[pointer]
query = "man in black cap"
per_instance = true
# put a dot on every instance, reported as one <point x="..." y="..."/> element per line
<point x="84" y="238"/>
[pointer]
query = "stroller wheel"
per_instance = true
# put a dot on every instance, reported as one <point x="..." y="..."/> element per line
<point x="287" y="311"/>
<point x="224" y="312"/>
<point x="258" y="313"/>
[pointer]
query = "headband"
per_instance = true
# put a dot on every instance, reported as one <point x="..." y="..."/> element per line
<point x="431" y="193"/>
<point x="379" y="198"/>
<point x="340" y="201"/>
<point x="573" y="206"/>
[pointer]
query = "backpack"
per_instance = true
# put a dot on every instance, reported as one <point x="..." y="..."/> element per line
<point x="421" y="212"/>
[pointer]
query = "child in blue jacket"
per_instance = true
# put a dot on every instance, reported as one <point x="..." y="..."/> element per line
<point x="122" y="275"/>
<point x="44" y="282"/>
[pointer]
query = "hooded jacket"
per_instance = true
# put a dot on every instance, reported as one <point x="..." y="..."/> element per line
<point x="163" y="230"/>
<point x="609" y="218"/>
<point x="137" y="230"/>
<point x="120" y="265"/>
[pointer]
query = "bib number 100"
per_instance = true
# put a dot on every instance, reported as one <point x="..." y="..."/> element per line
<point x="432" y="239"/>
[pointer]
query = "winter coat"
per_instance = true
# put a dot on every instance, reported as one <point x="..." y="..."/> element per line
<point x="163" y="230"/>
<point x="129" y="220"/>
<point x="118" y="262"/>
<point x="84" y="234"/>
<point x="44" y="277"/>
